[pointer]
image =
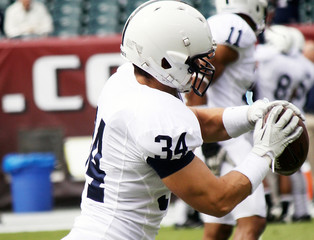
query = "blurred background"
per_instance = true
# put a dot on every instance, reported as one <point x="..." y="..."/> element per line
<point x="50" y="80"/>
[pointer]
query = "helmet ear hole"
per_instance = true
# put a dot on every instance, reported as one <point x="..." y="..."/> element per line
<point x="165" y="64"/>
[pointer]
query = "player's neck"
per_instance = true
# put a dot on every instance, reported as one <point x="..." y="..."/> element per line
<point x="154" y="83"/>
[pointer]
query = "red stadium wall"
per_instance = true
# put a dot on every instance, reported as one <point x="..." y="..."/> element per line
<point x="307" y="30"/>
<point x="51" y="84"/>
<point x="58" y="81"/>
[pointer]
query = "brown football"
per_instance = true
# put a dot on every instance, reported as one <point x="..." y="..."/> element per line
<point x="294" y="154"/>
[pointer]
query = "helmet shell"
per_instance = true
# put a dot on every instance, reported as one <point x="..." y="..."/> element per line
<point x="171" y="31"/>
<point x="280" y="37"/>
<point x="255" y="9"/>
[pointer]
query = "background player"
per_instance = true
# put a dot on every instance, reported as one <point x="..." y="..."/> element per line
<point x="277" y="76"/>
<point x="285" y="74"/>
<point x="301" y="210"/>
<point x="235" y="28"/>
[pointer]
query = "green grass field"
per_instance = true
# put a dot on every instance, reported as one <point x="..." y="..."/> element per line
<point x="291" y="231"/>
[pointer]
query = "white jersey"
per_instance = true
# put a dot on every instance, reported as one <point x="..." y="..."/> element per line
<point x="141" y="135"/>
<point x="277" y="74"/>
<point x="307" y="68"/>
<point x="228" y="90"/>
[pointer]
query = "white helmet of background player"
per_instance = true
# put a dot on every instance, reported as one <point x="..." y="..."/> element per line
<point x="280" y="37"/>
<point x="255" y="9"/>
<point x="171" y="41"/>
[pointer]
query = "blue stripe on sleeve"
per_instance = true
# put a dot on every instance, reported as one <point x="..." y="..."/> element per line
<point x="165" y="168"/>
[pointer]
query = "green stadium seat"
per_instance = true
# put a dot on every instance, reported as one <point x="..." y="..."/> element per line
<point x="66" y="26"/>
<point x="102" y="17"/>
<point x="4" y="4"/>
<point x="190" y="2"/>
<point x="207" y="7"/>
<point x="67" y="17"/>
<point x="306" y="11"/>
<point x="43" y="1"/>
<point x="129" y="7"/>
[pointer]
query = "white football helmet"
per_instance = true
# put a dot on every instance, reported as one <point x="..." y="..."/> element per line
<point x="280" y="37"/>
<point x="255" y="9"/>
<point x="171" y="41"/>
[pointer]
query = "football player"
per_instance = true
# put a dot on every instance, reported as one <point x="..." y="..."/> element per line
<point x="305" y="66"/>
<point x="235" y="28"/>
<point x="286" y="75"/>
<point x="277" y="77"/>
<point x="145" y="135"/>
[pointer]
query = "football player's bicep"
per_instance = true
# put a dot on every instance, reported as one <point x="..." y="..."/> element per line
<point x="191" y="184"/>
<point x="224" y="55"/>
<point x="202" y="190"/>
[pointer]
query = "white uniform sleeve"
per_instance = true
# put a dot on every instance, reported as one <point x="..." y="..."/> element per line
<point x="230" y="29"/>
<point x="168" y="142"/>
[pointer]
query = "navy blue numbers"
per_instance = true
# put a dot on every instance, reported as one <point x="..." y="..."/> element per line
<point x="283" y="85"/>
<point x="94" y="191"/>
<point x="180" y="148"/>
<point x="236" y="43"/>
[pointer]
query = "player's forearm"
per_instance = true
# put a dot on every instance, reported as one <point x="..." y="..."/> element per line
<point x="211" y="123"/>
<point x="224" y="55"/>
<point x="232" y="189"/>
<point x="218" y="124"/>
<point x="241" y="182"/>
<point x="207" y="193"/>
<point x="219" y="196"/>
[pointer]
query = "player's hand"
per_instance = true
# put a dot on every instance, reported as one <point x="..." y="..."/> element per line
<point x="271" y="139"/>
<point x="260" y="107"/>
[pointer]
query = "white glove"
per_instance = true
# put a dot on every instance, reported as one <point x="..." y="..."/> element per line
<point x="260" y="107"/>
<point x="272" y="138"/>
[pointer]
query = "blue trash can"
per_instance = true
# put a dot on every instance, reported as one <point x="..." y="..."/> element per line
<point x="31" y="187"/>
